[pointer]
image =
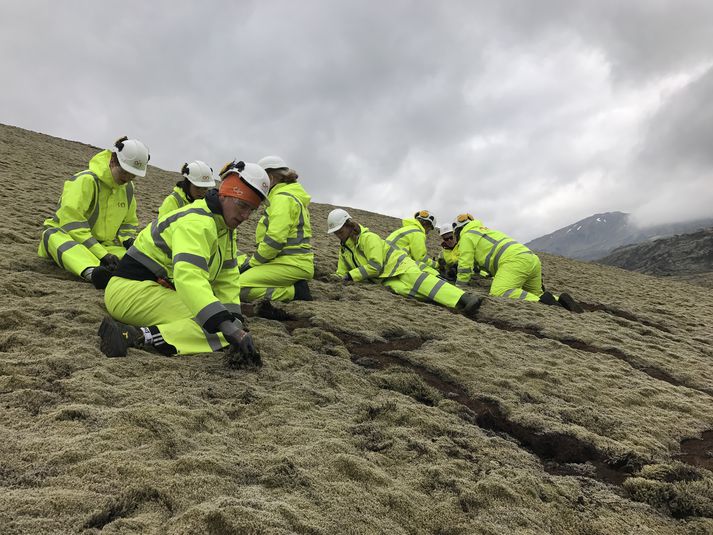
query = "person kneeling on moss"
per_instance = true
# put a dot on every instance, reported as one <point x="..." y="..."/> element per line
<point x="516" y="271"/>
<point x="366" y="256"/>
<point x="96" y="220"/>
<point x="177" y="289"/>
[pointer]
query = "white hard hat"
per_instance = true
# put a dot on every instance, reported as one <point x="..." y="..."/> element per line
<point x="336" y="220"/>
<point x="462" y="220"/>
<point x="446" y="228"/>
<point x="257" y="178"/>
<point x="199" y="174"/>
<point x="251" y="173"/>
<point x="133" y="155"/>
<point x="272" y="162"/>
<point x="425" y="215"/>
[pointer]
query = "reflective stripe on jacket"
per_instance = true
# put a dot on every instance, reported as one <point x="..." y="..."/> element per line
<point x="484" y="247"/>
<point x="94" y="209"/>
<point x="193" y="248"/>
<point x="411" y="237"/>
<point x="285" y="229"/>
<point x="177" y="199"/>
<point x="371" y="257"/>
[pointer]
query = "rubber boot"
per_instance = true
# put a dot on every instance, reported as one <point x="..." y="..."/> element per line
<point x="566" y="301"/>
<point x="265" y="309"/>
<point x="117" y="338"/>
<point x="548" y="299"/>
<point x="302" y="292"/>
<point x="469" y="305"/>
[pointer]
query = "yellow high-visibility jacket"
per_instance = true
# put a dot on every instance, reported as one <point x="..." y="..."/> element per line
<point x="177" y="199"/>
<point x="411" y="237"/>
<point x="284" y="231"/>
<point x="194" y="250"/>
<point x="95" y="210"/>
<point x="484" y="247"/>
<point x="370" y="257"/>
<point x="449" y="256"/>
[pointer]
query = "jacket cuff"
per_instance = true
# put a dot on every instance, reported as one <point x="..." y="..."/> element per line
<point x="212" y="315"/>
<point x="212" y="324"/>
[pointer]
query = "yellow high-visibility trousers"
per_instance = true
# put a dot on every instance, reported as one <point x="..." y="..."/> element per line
<point x="69" y="254"/>
<point x="274" y="281"/>
<point x="518" y="277"/>
<point x="147" y="303"/>
<point x="424" y="286"/>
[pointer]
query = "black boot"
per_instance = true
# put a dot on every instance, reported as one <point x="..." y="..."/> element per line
<point x="469" y="305"/>
<point x="548" y="299"/>
<point x="302" y="292"/>
<point x="566" y="301"/>
<point x="117" y="338"/>
<point x="265" y="309"/>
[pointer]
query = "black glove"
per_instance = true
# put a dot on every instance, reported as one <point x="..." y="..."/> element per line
<point x="242" y="352"/>
<point x="128" y="243"/>
<point x="347" y="278"/>
<point x="244" y="266"/>
<point x="451" y="274"/>
<point x="110" y="261"/>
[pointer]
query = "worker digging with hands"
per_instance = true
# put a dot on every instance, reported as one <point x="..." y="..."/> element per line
<point x="96" y="220"/>
<point x="283" y="260"/>
<point x="366" y="256"/>
<point x="197" y="180"/>
<point x="516" y="271"/>
<point x="411" y="237"/>
<point x="447" y="260"/>
<point x="177" y="289"/>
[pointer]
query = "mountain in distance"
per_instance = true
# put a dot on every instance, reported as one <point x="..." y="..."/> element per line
<point x="684" y="256"/>
<point x="596" y="236"/>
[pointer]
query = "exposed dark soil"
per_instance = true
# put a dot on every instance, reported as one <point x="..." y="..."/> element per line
<point x="126" y="504"/>
<point x="594" y="307"/>
<point x="553" y="449"/>
<point x="265" y="309"/>
<point x="698" y="451"/>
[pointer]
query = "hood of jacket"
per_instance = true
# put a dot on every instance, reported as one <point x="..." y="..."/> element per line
<point x="99" y="165"/>
<point x="295" y="189"/>
<point x="415" y="223"/>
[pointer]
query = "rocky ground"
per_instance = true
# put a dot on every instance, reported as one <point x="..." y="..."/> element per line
<point x="687" y="257"/>
<point x="372" y="413"/>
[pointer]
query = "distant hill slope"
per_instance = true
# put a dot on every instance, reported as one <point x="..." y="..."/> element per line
<point x="596" y="236"/>
<point x="372" y="413"/>
<point x="683" y="254"/>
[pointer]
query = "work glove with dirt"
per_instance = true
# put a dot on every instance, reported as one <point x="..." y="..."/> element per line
<point x="242" y="351"/>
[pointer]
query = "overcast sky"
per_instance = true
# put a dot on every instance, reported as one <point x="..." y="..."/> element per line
<point x="528" y="114"/>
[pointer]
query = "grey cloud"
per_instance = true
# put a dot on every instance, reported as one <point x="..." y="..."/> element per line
<point x="681" y="133"/>
<point x="674" y="166"/>
<point x="457" y="106"/>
